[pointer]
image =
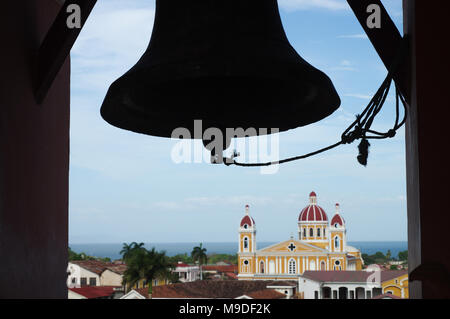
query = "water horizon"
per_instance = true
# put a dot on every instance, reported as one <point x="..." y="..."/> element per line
<point x="112" y="250"/>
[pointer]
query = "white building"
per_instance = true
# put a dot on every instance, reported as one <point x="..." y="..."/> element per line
<point x="94" y="273"/>
<point x="351" y="284"/>
<point x="187" y="273"/>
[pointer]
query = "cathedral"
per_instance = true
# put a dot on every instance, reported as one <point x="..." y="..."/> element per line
<point x="321" y="245"/>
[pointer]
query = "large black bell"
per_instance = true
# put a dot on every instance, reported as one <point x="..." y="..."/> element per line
<point x="225" y="62"/>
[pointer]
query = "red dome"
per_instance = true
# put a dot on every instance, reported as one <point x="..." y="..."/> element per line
<point x="247" y="220"/>
<point x="337" y="219"/>
<point x="313" y="212"/>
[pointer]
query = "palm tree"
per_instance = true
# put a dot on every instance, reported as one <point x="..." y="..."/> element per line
<point x="199" y="254"/>
<point x="127" y="250"/>
<point x="159" y="267"/>
<point x="136" y="267"/>
<point x="146" y="265"/>
<point x="388" y="255"/>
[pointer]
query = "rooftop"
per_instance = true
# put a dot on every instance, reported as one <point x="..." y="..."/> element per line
<point x="221" y="268"/>
<point x="227" y="289"/>
<point x="97" y="267"/>
<point x="93" y="292"/>
<point x="351" y="276"/>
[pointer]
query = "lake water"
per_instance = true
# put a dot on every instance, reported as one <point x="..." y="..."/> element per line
<point x="113" y="250"/>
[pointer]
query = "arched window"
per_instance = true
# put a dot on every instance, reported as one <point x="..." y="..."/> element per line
<point x="324" y="232"/>
<point x="336" y="242"/>
<point x="245" y="266"/>
<point x="292" y="266"/>
<point x="311" y="232"/>
<point x="322" y="266"/>
<point x="261" y="267"/>
<point x="304" y="232"/>
<point x="318" y="232"/>
<point x="246" y="243"/>
<point x="337" y="265"/>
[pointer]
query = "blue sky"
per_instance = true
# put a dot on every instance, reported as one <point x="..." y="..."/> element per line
<point x="125" y="187"/>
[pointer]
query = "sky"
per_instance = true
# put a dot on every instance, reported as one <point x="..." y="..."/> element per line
<point x="126" y="187"/>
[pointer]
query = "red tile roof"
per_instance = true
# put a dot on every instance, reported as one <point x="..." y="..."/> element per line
<point x="118" y="269"/>
<point x="266" y="294"/>
<point x="181" y="264"/>
<point x="143" y="292"/>
<point x="350" y="276"/>
<point x="220" y="268"/>
<point x="232" y="275"/>
<point x="97" y="267"/>
<point x="280" y="283"/>
<point x="210" y="289"/>
<point x="93" y="292"/>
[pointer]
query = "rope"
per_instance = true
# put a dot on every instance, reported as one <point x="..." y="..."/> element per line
<point x="361" y="127"/>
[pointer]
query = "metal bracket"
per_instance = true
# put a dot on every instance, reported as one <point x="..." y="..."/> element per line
<point x="56" y="46"/>
<point x="387" y="41"/>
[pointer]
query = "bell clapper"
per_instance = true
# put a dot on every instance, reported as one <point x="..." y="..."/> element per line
<point x="217" y="148"/>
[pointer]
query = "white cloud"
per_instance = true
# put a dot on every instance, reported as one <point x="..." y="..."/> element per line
<point x="193" y="203"/>
<point x="354" y="36"/>
<point x="111" y="42"/>
<point x="345" y="65"/>
<point x="360" y="96"/>
<point x="220" y="201"/>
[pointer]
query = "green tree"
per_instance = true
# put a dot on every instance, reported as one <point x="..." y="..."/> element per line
<point x="199" y="254"/>
<point x="146" y="265"/>
<point x="388" y="255"/>
<point x="368" y="260"/>
<point x="181" y="257"/>
<point x="128" y="249"/>
<point x="229" y="259"/>
<point x="403" y="255"/>
<point x="73" y="255"/>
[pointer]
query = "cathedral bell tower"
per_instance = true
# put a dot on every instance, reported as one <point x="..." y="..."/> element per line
<point x="247" y="244"/>
<point x="247" y="233"/>
<point x="338" y="238"/>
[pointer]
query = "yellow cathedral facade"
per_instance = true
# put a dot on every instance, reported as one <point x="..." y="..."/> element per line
<point x="321" y="245"/>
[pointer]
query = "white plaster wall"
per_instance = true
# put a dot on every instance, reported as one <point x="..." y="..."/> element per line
<point x="110" y="278"/>
<point x="307" y="287"/>
<point x="78" y="272"/>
